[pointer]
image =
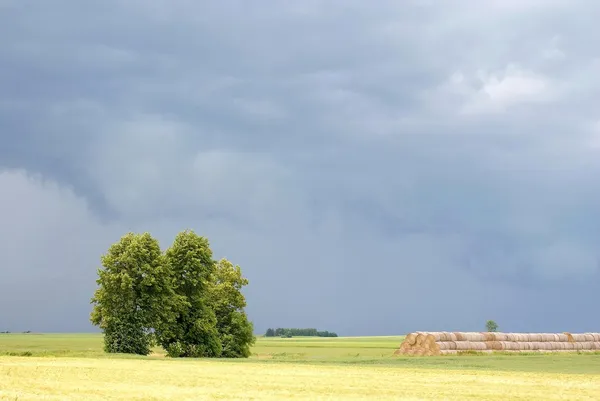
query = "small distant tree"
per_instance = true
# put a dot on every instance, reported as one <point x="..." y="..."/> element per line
<point x="270" y="333"/>
<point x="491" y="326"/>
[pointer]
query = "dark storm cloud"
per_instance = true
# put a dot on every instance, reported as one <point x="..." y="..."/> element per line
<point x="397" y="162"/>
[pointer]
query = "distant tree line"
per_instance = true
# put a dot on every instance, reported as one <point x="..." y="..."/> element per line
<point x="180" y="299"/>
<point x="291" y="332"/>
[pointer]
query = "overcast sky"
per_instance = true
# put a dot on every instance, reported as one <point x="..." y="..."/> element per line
<point x="374" y="167"/>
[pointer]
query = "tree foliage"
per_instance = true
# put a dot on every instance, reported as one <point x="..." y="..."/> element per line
<point x="291" y="332"/>
<point x="194" y="332"/>
<point x="181" y="299"/>
<point x="135" y="295"/>
<point x="491" y="326"/>
<point x="228" y="302"/>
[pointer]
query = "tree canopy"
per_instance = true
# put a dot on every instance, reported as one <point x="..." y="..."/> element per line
<point x="291" y="332"/>
<point x="491" y="326"/>
<point x="228" y="302"/>
<point x="181" y="299"/>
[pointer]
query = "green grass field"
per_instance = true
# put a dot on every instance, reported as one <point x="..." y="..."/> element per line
<point x="74" y="367"/>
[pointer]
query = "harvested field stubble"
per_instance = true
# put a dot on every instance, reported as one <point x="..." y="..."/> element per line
<point x="91" y="379"/>
<point x="442" y="343"/>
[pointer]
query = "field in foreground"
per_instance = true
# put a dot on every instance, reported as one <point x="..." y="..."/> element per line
<point x="123" y="379"/>
<point x="73" y="367"/>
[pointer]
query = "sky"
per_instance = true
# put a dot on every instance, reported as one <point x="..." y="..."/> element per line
<point x="374" y="168"/>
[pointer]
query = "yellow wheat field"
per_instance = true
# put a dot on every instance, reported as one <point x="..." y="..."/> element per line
<point x="123" y="379"/>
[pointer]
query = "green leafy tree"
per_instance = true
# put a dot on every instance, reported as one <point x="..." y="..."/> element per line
<point x="491" y="326"/>
<point x="228" y="302"/>
<point x="270" y="333"/>
<point x="194" y="332"/>
<point x="134" y="296"/>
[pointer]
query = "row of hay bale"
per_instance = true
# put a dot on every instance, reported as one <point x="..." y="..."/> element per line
<point x="441" y="343"/>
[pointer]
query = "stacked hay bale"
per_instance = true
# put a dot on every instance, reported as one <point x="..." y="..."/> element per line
<point x="442" y="343"/>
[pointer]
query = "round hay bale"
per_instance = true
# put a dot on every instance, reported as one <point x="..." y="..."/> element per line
<point x="435" y="336"/>
<point x="450" y="345"/>
<point x="447" y="345"/>
<point x="562" y="337"/>
<point x="450" y="336"/>
<point x="569" y="337"/>
<point x="403" y="349"/>
<point x="459" y="336"/>
<point x="463" y="345"/>
<point x="534" y="337"/>
<point x="588" y="345"/>
<point x="578" y="337"/>
<point x="480" y="346"/>
<point x="501" y="337"/>
<point x="509" y="345"/>
<point x="494" y="345"/>
<point x="420" y="339"/>
<point x="589" y="337"/>
<point x="488" y="336"/>
<point x="476" y="337"/>
<point x="411" y="338"/>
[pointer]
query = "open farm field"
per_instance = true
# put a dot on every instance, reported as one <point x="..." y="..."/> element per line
<point x="74" y="367"/>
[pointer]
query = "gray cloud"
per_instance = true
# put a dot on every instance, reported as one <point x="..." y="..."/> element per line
<point x="413" y="165"/>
